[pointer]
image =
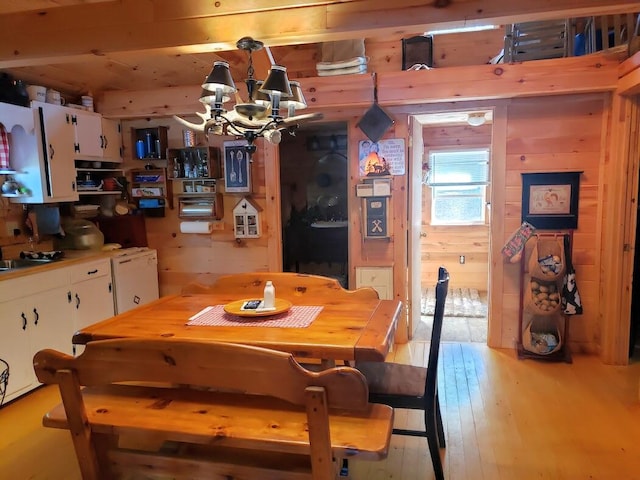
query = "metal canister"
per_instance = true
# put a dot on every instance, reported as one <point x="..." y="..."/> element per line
<point x="189" y="138"/>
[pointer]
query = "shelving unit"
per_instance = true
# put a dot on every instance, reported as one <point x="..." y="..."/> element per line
<point x="531" y="315"/>
<point x="154" y="141"/>
<point x="194" y="163"/>
<point x="91" y="181"/>
<point x="151" y="191"/>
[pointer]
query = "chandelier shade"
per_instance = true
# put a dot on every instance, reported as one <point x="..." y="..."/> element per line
<point x="260" y="115"/>
<point x="220" y="78"/>
<point x="296" y="101"/>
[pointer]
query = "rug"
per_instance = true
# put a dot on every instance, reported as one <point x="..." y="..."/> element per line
<point x="461" y="302"/>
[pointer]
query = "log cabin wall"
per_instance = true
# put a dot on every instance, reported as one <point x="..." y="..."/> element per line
<point x="183" y="258"/>
<point x="444" y="244"/>
<point x="556" y="134"/>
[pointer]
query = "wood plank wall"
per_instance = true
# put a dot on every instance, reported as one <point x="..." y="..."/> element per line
<point x="443" y="245"/>
<point x="183" y="258"/>
<point x="556" y="134"/>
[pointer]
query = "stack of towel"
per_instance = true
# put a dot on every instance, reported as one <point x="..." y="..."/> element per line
<point x="344" y="67"/>
<point x="342" y="58"/>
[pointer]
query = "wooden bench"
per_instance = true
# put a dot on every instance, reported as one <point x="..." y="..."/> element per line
<point x="210" y="410"/>
<point x="288" y="285"/>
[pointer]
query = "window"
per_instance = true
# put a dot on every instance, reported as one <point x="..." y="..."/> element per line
<point x="458" y="181"/>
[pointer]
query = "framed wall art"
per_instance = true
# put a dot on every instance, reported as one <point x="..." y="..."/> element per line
<point x="237" y="167"/>
<point x="550" y="200"/>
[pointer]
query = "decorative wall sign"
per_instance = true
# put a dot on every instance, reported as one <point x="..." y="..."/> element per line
<point x="375" y="217"/>
<point x="550" y="200"/>
<point x="386" y="157"/>
<point x="237" y="168"/>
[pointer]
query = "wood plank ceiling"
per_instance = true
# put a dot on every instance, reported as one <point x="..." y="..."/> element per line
<point x="80" y="46"/>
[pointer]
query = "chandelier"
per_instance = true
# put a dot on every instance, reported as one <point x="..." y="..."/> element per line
<point x="261" y="115"/>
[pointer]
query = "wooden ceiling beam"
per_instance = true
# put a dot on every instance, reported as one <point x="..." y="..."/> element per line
<point x="13" y="6"/>
<point x="76" y="33"/>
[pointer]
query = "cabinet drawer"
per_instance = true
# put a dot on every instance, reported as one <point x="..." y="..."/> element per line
<point x="90" y="270"/>
<point x="32" y="284"/>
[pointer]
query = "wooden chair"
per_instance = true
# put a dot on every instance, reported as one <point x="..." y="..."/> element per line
<point x="288" y="285"/>
<point x="412" y="387"/>
<point x="209" y="410"/>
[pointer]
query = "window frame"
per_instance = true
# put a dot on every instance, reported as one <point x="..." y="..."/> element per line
<point x="434" y="186"/>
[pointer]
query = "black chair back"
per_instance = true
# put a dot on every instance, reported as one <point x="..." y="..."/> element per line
<point x="442" y="288"/>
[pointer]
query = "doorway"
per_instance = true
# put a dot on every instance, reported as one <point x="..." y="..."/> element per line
<point x="453" y="151"/>
<point x="314" y="183"/>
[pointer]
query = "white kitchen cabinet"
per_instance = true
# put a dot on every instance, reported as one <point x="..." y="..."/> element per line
<point x="91" y="294"/>
<point x="37" y="314"/>
<point x="111" y="140"/>
<point x="380" y="278"/>
<point x="96" y="137"/>
<point x="14" y="348"/>
<point x="41" y="149"/>
<point x="88" y="134"/>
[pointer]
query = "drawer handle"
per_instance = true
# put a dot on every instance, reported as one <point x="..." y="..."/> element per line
<point x="91" y="272"/>
<point x="24" y="321"/>
<point x="77" y="301"/>
<point x="37" y="316"/>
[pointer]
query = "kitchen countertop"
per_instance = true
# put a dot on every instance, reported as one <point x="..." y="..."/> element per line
<point x="71" y="257"/>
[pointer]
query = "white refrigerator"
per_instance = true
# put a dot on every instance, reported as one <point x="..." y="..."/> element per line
<point x="135" y="277"/>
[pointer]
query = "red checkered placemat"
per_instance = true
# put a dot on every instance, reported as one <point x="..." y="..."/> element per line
<point x="215" y="316"/>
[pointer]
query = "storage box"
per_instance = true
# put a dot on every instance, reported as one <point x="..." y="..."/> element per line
<point x="146" y="192"/>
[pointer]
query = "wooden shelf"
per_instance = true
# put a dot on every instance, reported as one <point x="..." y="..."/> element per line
<point x="197" y="162"/>
<point x="148" y="185"/>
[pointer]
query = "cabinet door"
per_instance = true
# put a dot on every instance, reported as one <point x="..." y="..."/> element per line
<point x="14" y="347"/>
<point x="92" y="301"/>
<point x="88" y="134"/>
<point x="58" y="150"/>
<point x="111" y="140"/>
<point x="50" y="323"/>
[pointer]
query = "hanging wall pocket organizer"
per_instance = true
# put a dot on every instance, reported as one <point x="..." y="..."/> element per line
<point x="543" y="329"/>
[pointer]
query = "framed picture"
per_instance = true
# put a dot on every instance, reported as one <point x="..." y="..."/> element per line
<point x="237" y="168"/>
<point x="385" y="157"/>
<point x="550" y="200"/>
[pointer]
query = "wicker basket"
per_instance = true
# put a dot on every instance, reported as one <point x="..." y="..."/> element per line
<point x="547" y="259"/>
<point x="538" y="335"/>
<point x="542" y="297"/>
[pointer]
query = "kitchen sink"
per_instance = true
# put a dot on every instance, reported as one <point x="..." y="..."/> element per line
<point x="6" y="265"/>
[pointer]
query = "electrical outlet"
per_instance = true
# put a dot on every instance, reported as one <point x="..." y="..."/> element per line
<point x="462" y="259"/>
<point x="11" y="227"/>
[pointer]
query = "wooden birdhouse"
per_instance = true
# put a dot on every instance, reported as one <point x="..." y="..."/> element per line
<point x="246" y="219"/>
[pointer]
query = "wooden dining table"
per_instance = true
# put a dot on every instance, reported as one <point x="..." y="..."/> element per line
<point x="343" y="330"/>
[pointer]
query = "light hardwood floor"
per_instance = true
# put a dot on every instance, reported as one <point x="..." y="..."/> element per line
<point x="505" y="419"/>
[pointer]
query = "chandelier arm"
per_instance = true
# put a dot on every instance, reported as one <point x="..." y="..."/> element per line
<point x="200" y="127"/>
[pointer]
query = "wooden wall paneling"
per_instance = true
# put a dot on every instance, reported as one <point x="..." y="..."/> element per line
<point x="329" y="92"/>
<point x="500" y="301"/>
<point x="320" y="92"/>
<point x="197" y="257"/>
<point x="272" y="220"/>
<point x="536" y="137"/>
<point x="457" y="136"/>
<point x="618" y="239"/>
<point x="590" y="73"/>
<point x="452" y="50"/>
<point x="400" y="210"/>
<point x="158" y="102"/>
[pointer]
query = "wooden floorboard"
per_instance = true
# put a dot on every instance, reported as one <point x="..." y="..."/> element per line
<point x="505" y="419"/>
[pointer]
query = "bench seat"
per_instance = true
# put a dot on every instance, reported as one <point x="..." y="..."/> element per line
<point x="206" y="410"/>
<point x="226" y="419"/>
